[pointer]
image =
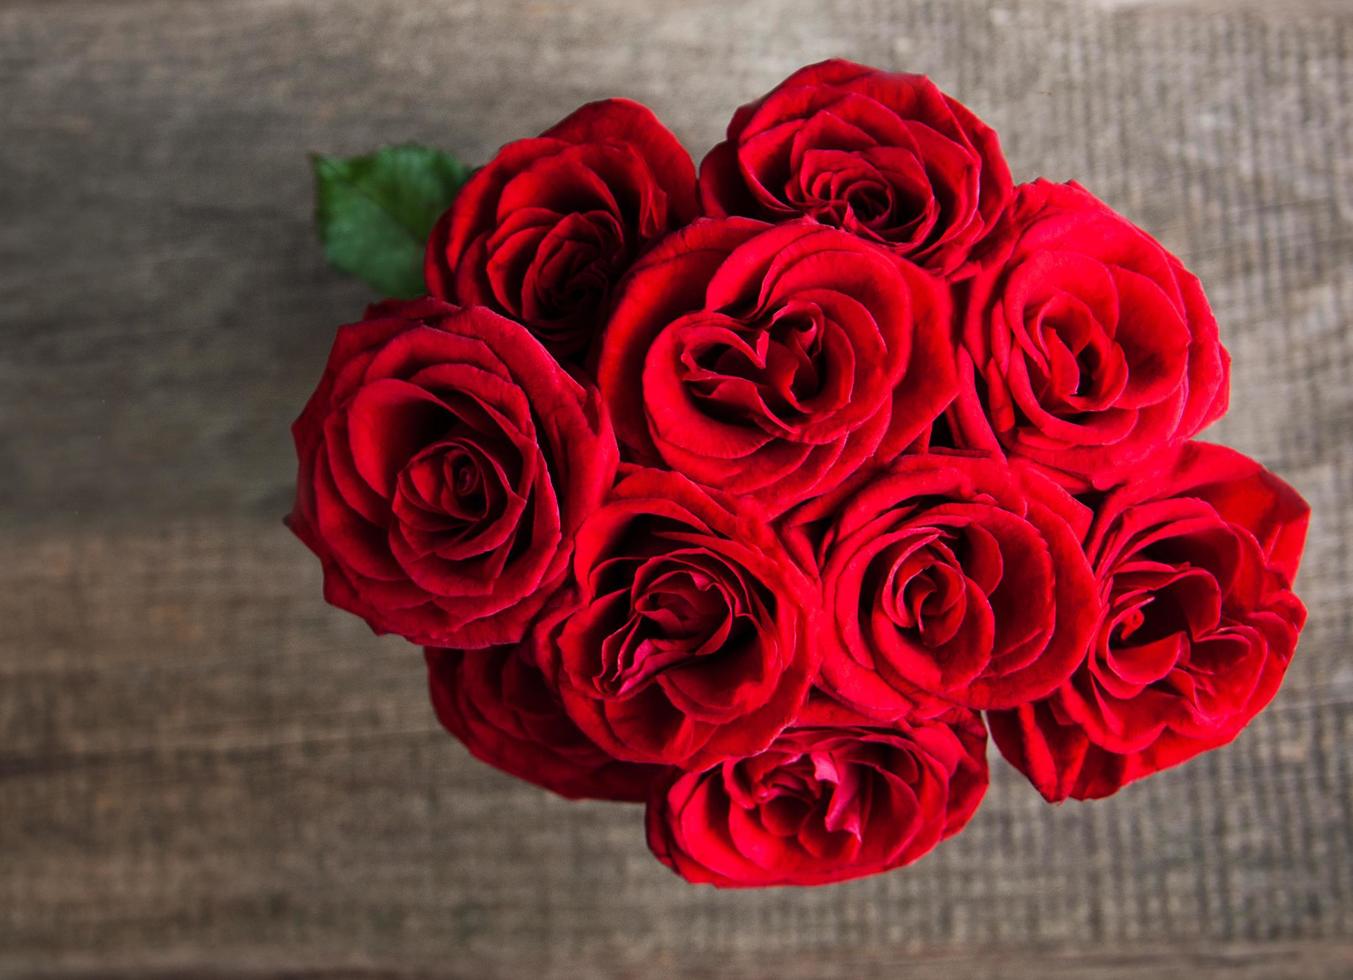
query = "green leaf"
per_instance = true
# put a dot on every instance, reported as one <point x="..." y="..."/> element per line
<point x="374" y="212"/>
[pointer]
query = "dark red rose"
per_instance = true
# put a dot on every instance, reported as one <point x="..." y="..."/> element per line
<point x="548" y="226"/>
<point x="1086" y="346"/>
<point x="774" y="361"/>
<point x="446" y="461"/>
<point x="948" y="579"/>
<point x="498" y="704"/>
<point x="888" y="157"/>
<point x="835" y="797"/>
<point x="1195" y="563"/>
<point x="689" y="643"/>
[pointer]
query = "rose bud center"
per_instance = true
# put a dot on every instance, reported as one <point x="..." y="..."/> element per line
<point x="452" y="495"/>
<point x="771" y="374"/>
<point x="1074" y="363"/>
<point x="679" y="610"/>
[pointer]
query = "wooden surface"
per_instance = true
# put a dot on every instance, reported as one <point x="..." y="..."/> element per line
<point x="204" y="769"/>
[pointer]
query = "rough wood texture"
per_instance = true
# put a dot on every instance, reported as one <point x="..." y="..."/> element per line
<point x="203" y="768"/>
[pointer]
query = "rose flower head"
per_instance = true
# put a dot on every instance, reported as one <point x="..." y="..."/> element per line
<point x="1198" y="623"/>
<point x="948" y="579"/>
<point x="1085" y="346"/>
<point x="885" y="156"/>
<point x="835" y="797"/>
<point x="498" y="704"/>
<point x="446" y="462"/>
<point x="542" y="233"/>
<point x="690" y="640"/>
<point x="772" y="362"/>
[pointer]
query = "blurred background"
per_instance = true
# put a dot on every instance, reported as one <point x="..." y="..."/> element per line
<point x="204" y="769"/>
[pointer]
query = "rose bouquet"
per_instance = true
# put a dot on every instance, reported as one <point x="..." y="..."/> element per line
<point x="761" y="494"/>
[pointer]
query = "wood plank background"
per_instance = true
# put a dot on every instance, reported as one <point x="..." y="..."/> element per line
<point x="203" y="769"/>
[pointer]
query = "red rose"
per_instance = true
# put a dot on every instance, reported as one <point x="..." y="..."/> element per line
<point x="544" y="230"/>
<point x="1195" y="563"/>
<point x="884" y="156"/>
<point x="498" y="704"/>
<point x="835" y="797"/>
<point x="689" y="643"/>
<point x="949" y="579"/>
<point x="446" y="461"/>
<point x="773" y="362"/>
<point x="1085" y="346"/>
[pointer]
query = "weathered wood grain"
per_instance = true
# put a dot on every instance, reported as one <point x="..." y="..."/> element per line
<point x="204" y="769"/>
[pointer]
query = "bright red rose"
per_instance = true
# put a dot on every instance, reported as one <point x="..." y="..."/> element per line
<point x="885" y="156"/>
<point x="772" y="362"/>
<point x="498" y="704"/>
<point x="948" y="579"/>
<point x="446" y="461"/>
<point x="1085" y="345"/>
<point x="547" y="227"/>
<point x="835" y="797"/>
<point x="1195" y="563"/>
<point x="689" y="643"/>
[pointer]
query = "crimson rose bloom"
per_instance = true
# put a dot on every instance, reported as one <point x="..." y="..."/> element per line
<point x="689" y="643"/>
<point x="446" y="461"/>
<point x="498" y="704"/>
<point x="543" y="231"/>
<point x="949" y="579"/>
<point x="835" y="797"/>
<point x="1195" y="565"/>
<point x="773" y="362"/>
<point x="884" y="156"/>
<point x="1085" y="346"/>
